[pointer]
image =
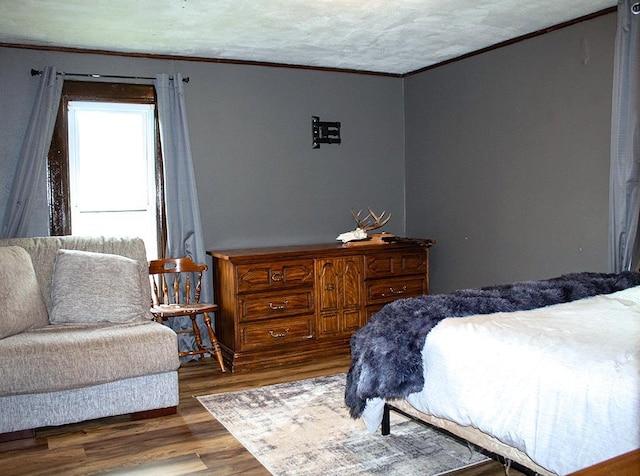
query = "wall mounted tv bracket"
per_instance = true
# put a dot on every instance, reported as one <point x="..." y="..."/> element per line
<point x="324" y="132"/>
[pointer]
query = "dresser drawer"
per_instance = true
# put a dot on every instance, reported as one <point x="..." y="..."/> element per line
<point x="277" y="332"/>
<point x="387" y="290"/>
<point x="274" y="275"/>
<point x="395" y="264"/>
<point x="268" y="306"/>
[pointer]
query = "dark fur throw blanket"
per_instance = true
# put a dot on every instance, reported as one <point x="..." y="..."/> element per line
<point x="387" y="352"/>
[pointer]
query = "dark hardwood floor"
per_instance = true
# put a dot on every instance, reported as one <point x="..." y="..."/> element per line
<point x="190" y="442"/>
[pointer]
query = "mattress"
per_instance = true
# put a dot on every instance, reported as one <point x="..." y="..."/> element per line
<point x="561" y="383"/>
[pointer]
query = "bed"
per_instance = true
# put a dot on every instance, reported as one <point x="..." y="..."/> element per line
<point x="543" y="373"/>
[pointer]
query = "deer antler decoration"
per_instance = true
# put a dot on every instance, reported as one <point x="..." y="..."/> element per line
<point x="371" y="221"/>
<point x="368" y="223"/>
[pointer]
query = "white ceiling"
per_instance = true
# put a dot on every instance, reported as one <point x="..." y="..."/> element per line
<point x="387" y="36"/>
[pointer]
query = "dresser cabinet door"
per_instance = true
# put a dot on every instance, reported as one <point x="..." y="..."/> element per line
<point x="339" y="292"/>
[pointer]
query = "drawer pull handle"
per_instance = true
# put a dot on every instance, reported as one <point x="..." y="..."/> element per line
<point x="277" y="277"/>
<point x="277" y="335"/>
<point x="280" y="307"/>
<point x="396" y="293"/>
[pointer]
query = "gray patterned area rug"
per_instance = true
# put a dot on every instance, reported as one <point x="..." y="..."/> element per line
<point x="304" y="428"/>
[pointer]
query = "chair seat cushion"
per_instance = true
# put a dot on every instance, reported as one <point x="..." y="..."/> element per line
<point x="68" y="356"/>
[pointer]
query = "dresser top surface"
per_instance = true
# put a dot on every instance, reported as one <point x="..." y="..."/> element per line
<point x="325" y="248"/>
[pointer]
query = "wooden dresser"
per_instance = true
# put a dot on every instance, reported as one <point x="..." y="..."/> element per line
<point x="294" y="303"/>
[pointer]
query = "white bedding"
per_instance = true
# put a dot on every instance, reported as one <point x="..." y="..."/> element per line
<point x="560" y="383"/>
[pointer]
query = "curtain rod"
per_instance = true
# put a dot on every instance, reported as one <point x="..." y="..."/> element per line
<point x="35" y="72"/>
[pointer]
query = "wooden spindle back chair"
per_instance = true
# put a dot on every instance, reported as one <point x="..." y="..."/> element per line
<point x="175" y="287"/>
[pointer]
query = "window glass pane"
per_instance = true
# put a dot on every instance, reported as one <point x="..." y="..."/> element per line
<point x="109" y="155"/>
<point x="111" y="170"/>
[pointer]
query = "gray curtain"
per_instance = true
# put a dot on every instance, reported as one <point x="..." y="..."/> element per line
<point x="184" y="228"/>
<point x="624" y="188"/>
<point x="28" y="177"/>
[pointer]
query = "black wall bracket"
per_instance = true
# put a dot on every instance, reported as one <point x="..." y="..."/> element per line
<point x="324" y="132"/>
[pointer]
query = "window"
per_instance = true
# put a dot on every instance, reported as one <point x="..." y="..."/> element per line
<point x="112" y="171"/>
<point x="105" y="172"/>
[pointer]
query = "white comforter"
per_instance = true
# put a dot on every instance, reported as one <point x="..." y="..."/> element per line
<point x="560" y="383"/>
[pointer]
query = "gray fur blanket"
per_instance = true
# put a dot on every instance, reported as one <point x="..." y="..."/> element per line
<point x="387" y="352"/>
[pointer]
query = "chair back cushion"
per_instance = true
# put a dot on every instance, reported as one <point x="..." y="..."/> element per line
<point x="22" y="305"/>
<point x="92" y="287"/>
<point x="43" y="255"/>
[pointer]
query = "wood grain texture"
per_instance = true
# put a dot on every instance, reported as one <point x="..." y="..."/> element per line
<point x="627" y="464"/>
<point x="287" y="304"/>
<point x="191" y="442"/>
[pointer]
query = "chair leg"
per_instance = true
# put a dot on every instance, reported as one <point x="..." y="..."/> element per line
<point x="214" y="341"/>
<point x="196" y="332"/>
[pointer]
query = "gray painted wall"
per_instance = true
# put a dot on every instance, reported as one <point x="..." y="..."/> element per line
<point x="259" y="181"/>
<point x="507" y="159"/>
<point x="505" y="163"/>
